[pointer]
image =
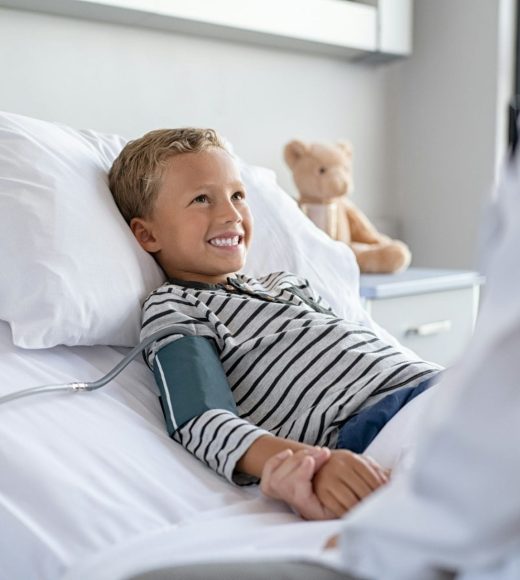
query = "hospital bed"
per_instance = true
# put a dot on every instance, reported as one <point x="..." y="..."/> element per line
<point x="91" y="486"/>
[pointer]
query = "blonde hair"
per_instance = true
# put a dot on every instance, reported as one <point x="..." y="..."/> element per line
<point x="135" y="176"/>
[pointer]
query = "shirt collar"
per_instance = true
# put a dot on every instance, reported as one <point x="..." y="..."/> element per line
<point x="201" y="285"/>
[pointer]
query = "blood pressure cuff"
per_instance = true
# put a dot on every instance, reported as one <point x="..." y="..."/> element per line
<point x="191" y="380"/>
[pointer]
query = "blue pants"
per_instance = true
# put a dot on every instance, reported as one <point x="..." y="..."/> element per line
<point x="360" y="429"/>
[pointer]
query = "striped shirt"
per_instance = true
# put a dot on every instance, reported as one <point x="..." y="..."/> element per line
<point x="295" y="369"/>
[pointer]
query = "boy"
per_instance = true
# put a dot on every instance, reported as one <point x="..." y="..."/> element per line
<point x="268" y="367"/>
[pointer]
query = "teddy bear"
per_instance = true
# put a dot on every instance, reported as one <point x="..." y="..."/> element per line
<point x="322" y="173"/>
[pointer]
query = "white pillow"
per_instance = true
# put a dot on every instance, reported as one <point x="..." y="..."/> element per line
<point x="72" y="271"/>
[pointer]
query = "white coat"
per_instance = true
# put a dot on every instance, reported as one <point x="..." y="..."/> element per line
<point x="456" y="511"/>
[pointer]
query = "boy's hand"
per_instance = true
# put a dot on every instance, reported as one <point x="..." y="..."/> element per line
<point x="288" y="476"/>
<point x="345" y="479"/>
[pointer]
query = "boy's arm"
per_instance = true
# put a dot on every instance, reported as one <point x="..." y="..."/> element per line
<point x="256" y="456"/>
<point x="199" y="409"/>
<point x="201" y="414"/>
<point x="197" y="402"/>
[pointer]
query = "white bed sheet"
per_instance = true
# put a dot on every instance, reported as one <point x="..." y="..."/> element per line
<point x="91" y="486"/>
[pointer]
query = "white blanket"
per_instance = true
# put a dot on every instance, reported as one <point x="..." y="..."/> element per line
<point x="92" y="487"/>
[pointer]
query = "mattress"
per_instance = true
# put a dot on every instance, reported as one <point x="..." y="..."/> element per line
<point x="91" y="486"/>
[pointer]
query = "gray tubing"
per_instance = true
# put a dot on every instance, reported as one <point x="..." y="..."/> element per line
<point x="92" y="386"/>
<point x="35" y="391"/>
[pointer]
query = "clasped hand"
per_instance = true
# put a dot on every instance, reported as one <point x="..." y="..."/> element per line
<point x="320" y="483"/>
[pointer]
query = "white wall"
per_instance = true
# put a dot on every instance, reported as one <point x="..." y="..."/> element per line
<point x="447" y="109"/>
<point x="427" y="130"/>
<point x="130" y="80"/>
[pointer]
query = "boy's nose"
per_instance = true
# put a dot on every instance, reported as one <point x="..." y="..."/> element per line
<point x="230" y="213"/>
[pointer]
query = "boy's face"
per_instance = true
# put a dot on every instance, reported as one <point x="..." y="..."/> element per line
<point x="200" y="226"/>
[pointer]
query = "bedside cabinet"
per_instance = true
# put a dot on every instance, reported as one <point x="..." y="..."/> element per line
<point x="431" y="311"/>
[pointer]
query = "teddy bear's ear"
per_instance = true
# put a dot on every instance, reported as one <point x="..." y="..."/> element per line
<point x="293" y="151"/>
<point x="345" y="147"/>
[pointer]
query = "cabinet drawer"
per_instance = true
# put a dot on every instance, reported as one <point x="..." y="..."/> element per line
<point x="436" y="325"/>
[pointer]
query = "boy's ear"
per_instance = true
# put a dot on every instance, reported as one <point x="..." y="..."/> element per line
<point x="144" y="235"/>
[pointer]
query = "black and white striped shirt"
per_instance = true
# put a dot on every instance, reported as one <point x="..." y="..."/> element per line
<point x="295" y="369"/>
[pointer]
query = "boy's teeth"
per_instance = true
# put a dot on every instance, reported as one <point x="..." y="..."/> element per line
<point x="225" y="241"/>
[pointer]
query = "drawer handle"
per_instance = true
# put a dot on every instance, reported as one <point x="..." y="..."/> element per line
<point x="429" y="328"/>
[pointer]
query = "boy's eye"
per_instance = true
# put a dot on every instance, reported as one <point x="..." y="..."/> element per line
<point x="238" y="195"/>
<point x="201" y="198"/>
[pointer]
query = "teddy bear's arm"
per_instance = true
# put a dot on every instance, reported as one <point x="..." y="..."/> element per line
<point x="361" y="229"/>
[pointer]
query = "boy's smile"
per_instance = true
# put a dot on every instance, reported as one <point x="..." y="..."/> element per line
<point x="200" y="226"/>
